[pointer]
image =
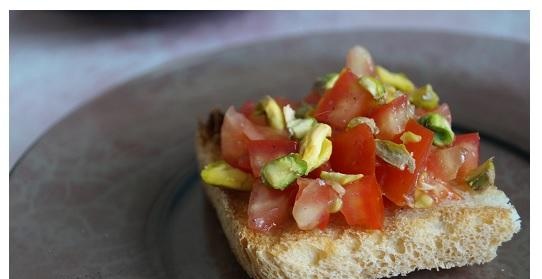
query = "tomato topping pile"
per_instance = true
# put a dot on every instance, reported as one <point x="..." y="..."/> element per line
<point x="361" y="142"/>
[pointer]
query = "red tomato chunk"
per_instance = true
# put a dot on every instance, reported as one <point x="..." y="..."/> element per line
<point x="354" y="151"/>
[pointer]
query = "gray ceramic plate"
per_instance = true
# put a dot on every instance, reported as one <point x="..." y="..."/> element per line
<point x="112" y="191"/>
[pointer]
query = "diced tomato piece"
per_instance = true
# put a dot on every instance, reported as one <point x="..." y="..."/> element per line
<point x="354" y="151"/>
<point x="317" y="171"/>
<point x="397" y="184"/>
<point x="311" y="208"/>
<point x="346" y="100"/>
<point x="471" y="142"/>
<point x="392" y="117"/>
<point x="263" y="151"/>
<point x="362" y="203"/>
<point x="444" y="163"/>
<point x="443" y="110"/>
<point x="249" y="111"/>
<point x="269" y="208"/>
<point x="439" y="190"/>
<point x="235" y="134"/>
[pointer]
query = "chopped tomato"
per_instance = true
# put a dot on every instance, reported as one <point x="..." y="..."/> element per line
<point x="443" y="110"/>
<point x="263" y="151"/>
<point x="311" y="208"/>
<point x="354" y="151"/>
<point x="437" y="189"/>
<point x="471" y="142"/>
<point x="346" y="100"/>
<point x="398" y="184"/>
<point x="392" y="117"/>
<point x="317" y="171"/>
<point x="444" y="163"/>
<point x="249" y="111"/>
<point x="362" y="203"/>
<point x="269" y="208"/>
<point x="235" y="134"/>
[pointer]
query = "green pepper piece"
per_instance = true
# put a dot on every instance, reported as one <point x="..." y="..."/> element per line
<point x="482" y="177"/>
<point x="221" y="174"/>
<point x="437" y="123"/>
<point x="424" y="97"/>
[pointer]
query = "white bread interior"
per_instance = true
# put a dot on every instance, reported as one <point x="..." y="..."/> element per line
<point x="453" y="234"/>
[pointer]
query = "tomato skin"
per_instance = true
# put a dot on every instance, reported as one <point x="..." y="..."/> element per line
<point x="363" y="204"/>
<point x="263" y="151"/>
<point x="471" y="142"/>
<point x="397" y="184"/>
<point x="311" y="208"/>
<point x="354" y="151"/>
<point x="392" y="117"/>
<point x="248" y="109"/>
<point x="346" y="100"/>
<point x="269" y="208"/>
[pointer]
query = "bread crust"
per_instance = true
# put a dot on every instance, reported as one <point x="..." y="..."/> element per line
<point x="453" y="234"/>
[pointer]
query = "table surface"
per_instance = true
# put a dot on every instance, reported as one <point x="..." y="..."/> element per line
<point x="61" y="60"/>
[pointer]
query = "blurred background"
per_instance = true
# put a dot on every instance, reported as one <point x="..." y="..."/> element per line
<point x="61" y="60"/>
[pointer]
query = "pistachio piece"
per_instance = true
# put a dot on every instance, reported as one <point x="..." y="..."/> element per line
<point x="281" y="172"/>
<point x="304" y="111"/>
<point x="398" y="80"/>
<point x="363" y="120"/>
<point x="289" y="114"/>
<point x="422" y="199"/>
<point x="374" y="86"/>
<point x="324" y="155"/>
<point x="297" y="128"/>
<point x="336" y="205"/>
<point x="315" y="146"/>
<point x="221" y="174"/>
<point x="300" y="127"/>
<point x="327" y="81"/>
<point x="273" y="112"/>
<point x="395" y="154"/>
<point x="340" y="178"/>
<point x="482" y="177"/>
<point x="338" y="188"/>
<point x="424" y="97"/>
<point x="408" y="137"/>
<point x="437" y="123"/>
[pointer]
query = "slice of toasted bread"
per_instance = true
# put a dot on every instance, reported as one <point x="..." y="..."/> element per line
<point x="453" y="234"/>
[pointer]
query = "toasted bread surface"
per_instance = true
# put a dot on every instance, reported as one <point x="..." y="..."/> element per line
<point x="452" y="234"/>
